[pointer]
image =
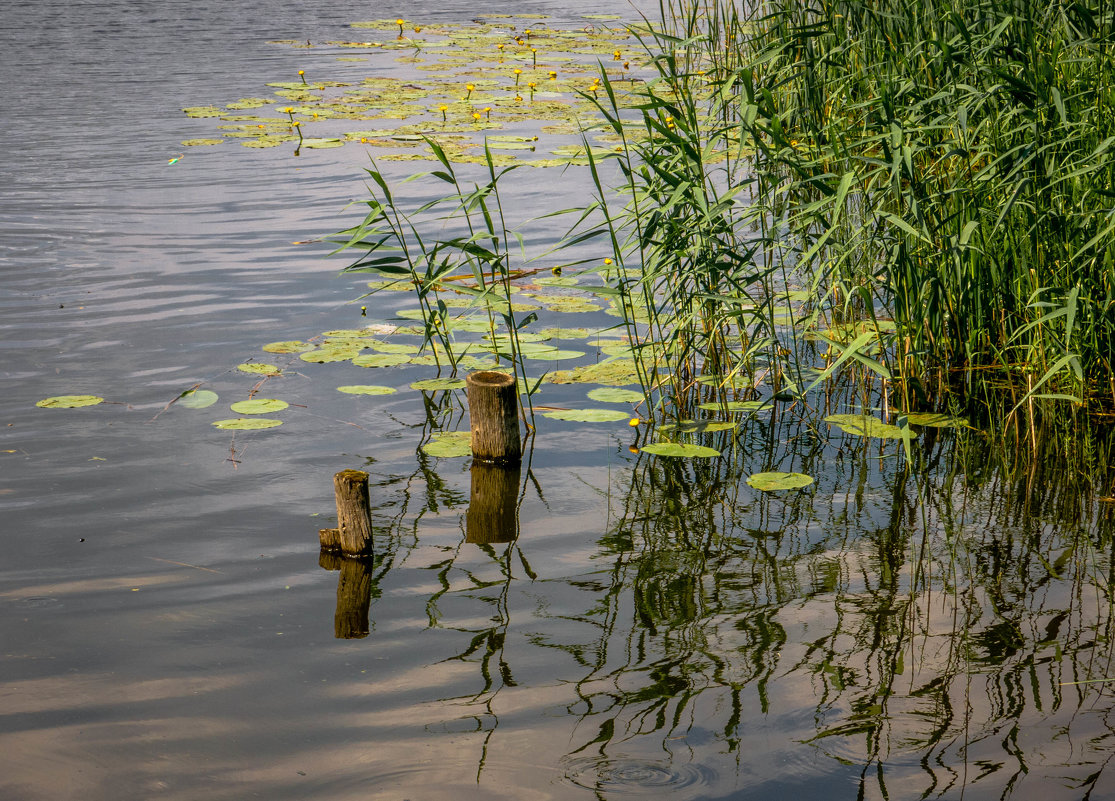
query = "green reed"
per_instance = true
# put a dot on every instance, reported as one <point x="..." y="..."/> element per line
<point x="476" y="263"/>
<point x="946" y="164"/>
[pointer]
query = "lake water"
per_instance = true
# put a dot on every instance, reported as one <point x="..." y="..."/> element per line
<point x="657" y="629"/>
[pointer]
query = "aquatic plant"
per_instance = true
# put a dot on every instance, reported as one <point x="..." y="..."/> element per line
<point x="942" y="163"/>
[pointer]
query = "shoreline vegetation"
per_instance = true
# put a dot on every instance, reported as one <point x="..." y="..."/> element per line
<point x="917" y="190"/>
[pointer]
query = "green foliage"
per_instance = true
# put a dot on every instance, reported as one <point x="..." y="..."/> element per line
<point x="943" y="163"/>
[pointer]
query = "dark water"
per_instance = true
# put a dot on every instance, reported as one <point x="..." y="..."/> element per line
<point x="658" y="629"/>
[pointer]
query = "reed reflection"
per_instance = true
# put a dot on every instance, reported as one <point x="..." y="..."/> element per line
<point x="928" y="621"/>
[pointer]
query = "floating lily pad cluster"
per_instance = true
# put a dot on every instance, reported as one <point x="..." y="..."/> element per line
<point x="458" y="84"/>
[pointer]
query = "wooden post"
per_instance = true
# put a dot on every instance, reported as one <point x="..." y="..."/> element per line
<point x="354" y="596"/>
<point x="354" y="521"/>
<point x="330" y="539"/>
<point x="493" y="410"/>
<point x="492" y="508"/>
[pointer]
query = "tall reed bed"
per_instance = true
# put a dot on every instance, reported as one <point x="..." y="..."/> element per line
<point x="945" y="164"/>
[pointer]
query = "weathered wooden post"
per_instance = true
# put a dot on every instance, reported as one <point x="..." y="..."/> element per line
<point x="493" y="410"/>
<point x="493" y="504"/>
<point x="353" y="534"/>
<point x="348" y="548"/>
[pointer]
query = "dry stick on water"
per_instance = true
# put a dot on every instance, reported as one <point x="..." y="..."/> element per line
<point x="493" y="410"/>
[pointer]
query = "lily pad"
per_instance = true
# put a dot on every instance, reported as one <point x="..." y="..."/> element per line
<point x="329" y="354"/>
<point x="259" y="406"/>
<point x="552" y="354"/>
<point x="321" y="143"/>
<point x="248" y="423"/>
<point x="733" y="406"/>
<point x="933" y="420"/>
<point x="258" y="368"/>
<point x="571" y="305"/>
<point x="201" y="142"/>
<point x="588" y="415"/>
<point x="395" y="347"/>
<point x="557" y="280"/>
<point x="69" y="401"/>
<point x="365" y="389"/>
<point x="434" y="384"/>
<point x="734" y="381"/>
<point x="769" y="482"/>
<point x="864" y="425"/>
<point x="290" y="346"/>
<point x="566" y="333"/>
<point x="381" y="360"/>
<point x="615" y="372"/>
<point x="616" y="395"/>
<point x="197" y="399"/>
<point x="449" y="444"/>
<point x="680" y="450"/>
<point x="704" y="426"/>
<point x="347" y="333"/>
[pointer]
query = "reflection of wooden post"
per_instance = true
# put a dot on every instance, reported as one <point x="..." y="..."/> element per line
<point x="354" y="520"/>
<point x="354" y="595"/>
<point x="493" y="410"/>
<point x="492" y="514"/>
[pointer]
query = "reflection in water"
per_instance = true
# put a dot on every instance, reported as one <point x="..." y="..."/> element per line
<point x="493" y="514"/>
<point x="354" y="594"/>
<point x="933" y="627"/>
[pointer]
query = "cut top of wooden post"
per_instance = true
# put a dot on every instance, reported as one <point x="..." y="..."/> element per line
<point x="493" y="410"/>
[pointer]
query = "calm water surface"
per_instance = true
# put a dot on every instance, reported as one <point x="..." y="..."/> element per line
<point x="657" y="629"/>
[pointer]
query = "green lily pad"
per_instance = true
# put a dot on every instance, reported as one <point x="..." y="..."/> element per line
<point x="616" y="395"/>
<point x="588" y="415"/>
<point x="290" y="346"/>
<point x="197" y="399"/>
<point x="366" y="389"/>
<point x="769" y="482"/>
<point x="395" y="347"/>
<point x="615" y="372"/>
<point x="571" y="305"/>
<point x="553" y="354"/>
<point x="933" y="420"/>
<point x="733" y="406"/>
<point x="203" y="111"/>
<point x="319" y="144"/>
<point x="680" y="450"/>
<point x="704" y="426"/>
<point x="470" y="325"/>
<point x="381" y="360"/>
<point x="524" y="337"/>
<point x="248" y="423"/>
<point x="736" y="381"/>
<point x="346" y="333"/>
<point x="864" y="425"/>
<point x="449" y="444"/>
<point x="557" y="280"/>
<point x="258" y="368"/>
<point x="69" y="401"/>
<point x="566" y="333"/>
<point x="617" y="348"/>
<point x="201" y="142"/>
<point x="259" y="406"/>
<point x="268" y="141"/>
<point x="434" y="384"/>
<point x="330" y="354"/>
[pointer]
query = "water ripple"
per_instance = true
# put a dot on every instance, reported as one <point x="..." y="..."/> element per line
<point x="634" y="776"/>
